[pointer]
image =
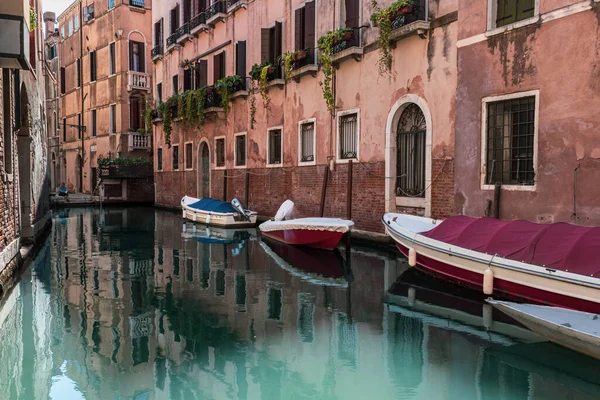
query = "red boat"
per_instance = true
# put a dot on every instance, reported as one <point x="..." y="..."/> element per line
<point x="554" y="264"/>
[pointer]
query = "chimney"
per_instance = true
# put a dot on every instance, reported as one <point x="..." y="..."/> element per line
<point x="49" y="18"/>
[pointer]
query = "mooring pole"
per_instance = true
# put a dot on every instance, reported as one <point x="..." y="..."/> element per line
<point x="323" y="191"/>
<point x="575" y="192"/>
<point x="246" y="194"/>
<point x="348" y="271"/>
<point x="349" y="195"/>
<point x="224" y="185"/>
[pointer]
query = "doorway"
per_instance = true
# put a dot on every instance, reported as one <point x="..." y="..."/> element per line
<point x="203" y="171"/>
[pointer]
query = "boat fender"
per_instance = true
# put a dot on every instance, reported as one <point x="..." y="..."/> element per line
<point x="183" y="212"/>
<point x="194" y="217"/>
<point x="487" y="316"/>
<point x="488" y="281"/>
<point x="412" y="295"/>
<point x="208" y="218"/>
<point x="412" y="257"/>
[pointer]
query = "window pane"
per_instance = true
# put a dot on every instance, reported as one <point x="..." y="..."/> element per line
<point x="348" y="140"/>
<point x="410" y="161"/>
<point x="175" y="157"/>
<point x="275" y="146"/>
<point x="159" y="161"/>
<point x="188" y="155"/>
<point x="220" y="153"/>
<point x="307" y="138"/>
<point x="240" y="150"/>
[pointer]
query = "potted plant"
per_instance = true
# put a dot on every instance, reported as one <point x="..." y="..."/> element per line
<point x="300" y="55"/>
<point x="210" y="89"/>
<point x="347" y="34"/>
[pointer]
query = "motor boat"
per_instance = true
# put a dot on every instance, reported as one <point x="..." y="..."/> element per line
<point x="216" y="212"/>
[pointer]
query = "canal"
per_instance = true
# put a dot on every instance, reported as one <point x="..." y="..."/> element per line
<point x="126" y="304"/>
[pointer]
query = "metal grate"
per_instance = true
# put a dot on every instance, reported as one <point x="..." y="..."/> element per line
<point x="240" y="150"/>
<point x="410" y="163"/>
<point x="220" y="152"/>
<point x="348" y="136"/>
<point x="307" y="139"/>
<point x="510" y="135"/>
<point x="275" y="146"/>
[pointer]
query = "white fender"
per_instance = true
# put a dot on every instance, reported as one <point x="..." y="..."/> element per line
<point x="412" y="257"/>
<point x="194" y="217"/>
<point x="487" y="316"/>
<point x="183" y="212"/>
<point x="412" y="295"/>
<point x="488" y="281"/>
<point x="208" y="218"/>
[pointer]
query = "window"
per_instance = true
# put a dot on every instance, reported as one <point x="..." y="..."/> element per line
<point x="76" y="22"/>
<point x="219" y="67"/>
<point x="136" y="119"/>
<point x="220" y="152"/>
<point x="136" y="56"/>
<point x="410" y="162"/>
<point x="271" y="44"/>
<point x="113" y="118"/>
<point x="93" y="122"/>
<point x="348" y="135"/>
<point x="79" y="126"/>
<point x="174" y="20"/>
<point x="175" y="157"/>
<point x="188" y="156"/>
<point x="159" y="160"/>
<point x="111" y="4"/>
<point x="92" y="66"/>
<point x="137" y="3"/>
<point x="159" y="93"/>
<point x="112" y="59"/>
<point x="509" y="11"/>
<point x="304" y="27"/>
<point x="187" y="79"/>
<point x="70" y="27"/>
<point x="351" y="9"/>
<point x="510" y="134"/>
<point x="158" y="33"/>
<point x="63" y="79"/>
<point x="240" y="59"/>
<point x="62" y="32"/>
<point x="240" y="150"/>
<point x="52" y="52"/>
<point x="274" y="149"/>
<point x="6" y="103"/>
<point x="78" y="66"/>
<point x="56" y="125"/>
<point x="175" y="84"/>
<point x="201" y="74"/>
<point x="187" y="10"/>
<point x="88" y="13"/>
<point x="307" y="142"/>
<point x="64" y="129"/>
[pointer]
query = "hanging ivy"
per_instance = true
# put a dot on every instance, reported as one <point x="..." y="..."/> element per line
<point x="225" y="87"/>
<point x="200" y="101"/>
<point x="148" y="112"/>
<point x="164" y="111"/>
<point x="326" y="43"/>
<point x="252" y="92"/>
<point x="260" y="73"/>
<point x="33" y="19"/>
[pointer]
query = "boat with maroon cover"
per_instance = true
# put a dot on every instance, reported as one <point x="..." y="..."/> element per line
<point x="320" y="233"/>
<point x="554" y="264"/>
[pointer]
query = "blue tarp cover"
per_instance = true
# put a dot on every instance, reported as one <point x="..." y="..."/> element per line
<point x="208" y="204"/>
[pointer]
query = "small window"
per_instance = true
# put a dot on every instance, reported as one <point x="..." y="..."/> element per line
<point x="175" y="84"/>
<point x="92" y="66"/>
<point x="509" y="142"/>
<point x="111" y="4"/>
<point x="307" y="142"/>
<point x="113" y="118"/>
<point x="220" y="152"/>
<point x="187" y="79"/>
<point x="348" y="136"/>
<point x="159" y="160"/>
<point x="70" y="27"/>
<point x="175" y="157"/>
<point x="79" y="126"/>
<point x="64" y="129"/>
<point x="76" y="22"/>
<point x="62" y="32"/>
<point x="510" y="11"/>
<point x="188" y="156"/>
<point x="240" y="150"/>
<point x="274" y="147"/>
<point x="63" y="80"/>
<point x="78" y="66"/>
<point x="159" y="93"/>
<point x="93" y="123"/>
<point x="112" y="59"/>
<point x="52" y="52"/>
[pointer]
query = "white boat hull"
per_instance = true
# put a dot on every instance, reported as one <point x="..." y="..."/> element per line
<point x="214" y="218"/>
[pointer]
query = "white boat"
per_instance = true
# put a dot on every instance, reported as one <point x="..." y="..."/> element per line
<point x="551" y="264"/>
<point x="217" y="235"/>
<point x="576" y="330"/>
<point x="215" y="212"/>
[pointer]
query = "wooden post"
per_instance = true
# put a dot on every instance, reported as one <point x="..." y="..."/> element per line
<point x="349" y="195"/>
<point x="497" y="200"/>
<point x="247" y="193"/>
<point x="323" y="191"/>
<point x="225" y="185"/>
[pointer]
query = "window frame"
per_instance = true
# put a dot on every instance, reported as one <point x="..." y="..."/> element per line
<point x="93" y="66"/>
<point x="484" y="119"/>
<point x="173" y="165"/>
<point x="78" y="72"/>
<point x="79" y="125"/>
<point x="112" y="61"/>
<point x="93" y="122"/>
<point x="76" y="25"/>
<point x="159" y="159"/>
<point x="185" y="156"/>
<point x="224" y="166"/>
<point x="110" y="7"/>
<point x="304" y="122"/>
<point x="174" y="87"/>
<point x="492" y="12"/>
<point x="339" y="115"/>
<point x="235" y="166"/>
<point x="269" y="130"/>
<point x="112" y="114"/>
<point x="70" y="27"/>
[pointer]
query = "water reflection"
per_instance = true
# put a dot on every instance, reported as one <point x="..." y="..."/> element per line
<point x="126" y="304"/>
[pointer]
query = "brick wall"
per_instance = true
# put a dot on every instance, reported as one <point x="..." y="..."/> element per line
<point x="442" y="188"/>
<point x="140" y="190"/>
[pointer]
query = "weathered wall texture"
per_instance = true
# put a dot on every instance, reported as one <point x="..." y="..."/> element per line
<point x="423" y="69"/>
<point x="560" y="58"/>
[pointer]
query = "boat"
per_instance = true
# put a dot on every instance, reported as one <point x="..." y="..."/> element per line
<point x="216" y="212"/>
<point x="551" y="264"/>
<point x="575" y="330"/>
<point x="320" y="233"/>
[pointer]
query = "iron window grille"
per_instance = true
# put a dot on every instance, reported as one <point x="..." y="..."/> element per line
<point x="220" y="152"/>
<point x="307" y="140"/>
<point x="348" y="136"/>
<point x="136" y="3"/>
<point x="410" y="163"/>
<point x="175" y="157"/>
<point x="510" y="11"/>
<point x="159" y="163"/>
<point x="275" y="146"/>
<point x="510" y="137"/>
<point x="188" y="156"/>
<point x="240" y="150"/>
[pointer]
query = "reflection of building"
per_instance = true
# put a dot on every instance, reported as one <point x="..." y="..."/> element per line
<point x="51" y="77"/>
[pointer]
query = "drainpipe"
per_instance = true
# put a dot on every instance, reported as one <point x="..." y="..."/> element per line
<point x="82" y="124"/>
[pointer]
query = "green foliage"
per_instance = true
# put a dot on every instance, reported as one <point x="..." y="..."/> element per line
<point x="288" y="59"/>
<point x="123" y="161"/>
<point x="326" y="43"/>
<point x="225" y="87"/>
<point x="260" y="73"/>
<point x="148" y="111"/>
<point x="33" y="19"/>
<point x="252" y="91"/>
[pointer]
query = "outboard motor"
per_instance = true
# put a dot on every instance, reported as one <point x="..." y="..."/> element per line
<point x="238" y="206"/>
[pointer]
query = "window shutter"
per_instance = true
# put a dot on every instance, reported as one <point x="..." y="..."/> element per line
<point x="171" y="22"/>
<point x="161" y="38"/>
<point x="240" y="59"/>
<point x="264" y="45"/>
<point x="298" y="29"/>
<point x="202" y="80"/>
<point x="309" y="25"/>
<point x="278" y="41"/>
<point x="222" y="73"/>
<point x="142" y="55"/>
<point x="216" y="68"/>
<point x="177" y="16"/>
<point x="352" y="13"/>
<point x="525" y="9"/>
<point x="131" y="44"/>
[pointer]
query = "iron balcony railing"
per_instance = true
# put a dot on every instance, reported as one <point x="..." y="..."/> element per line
<point x="136" y="3"/>
<point x="183" y="30"/>
<point x="213" y="99"/>
<point x="129" y="171"/>
<point x="198" y="20"/>
<point x="231" y="3"/>
<point x="218" y="7"/>
<point x="171" y="40"/>
<point x="351" y="38"/>
<point x="275" y="73"/>
<point x="240" y="86"/>
<point x="156" y="51"/>
<point x="418" y="13"/>
<point x="303" y="58"/>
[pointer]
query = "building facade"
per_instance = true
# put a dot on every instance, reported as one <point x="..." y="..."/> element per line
<point x="24" y="195"/>
<point x="277" y="137"/>
<point x="104" y="81"/>
<point x="528" y="95"/>
<point x="51" y="77"/>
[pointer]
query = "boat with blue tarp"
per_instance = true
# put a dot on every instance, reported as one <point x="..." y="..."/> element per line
<point x="216" y="212"/>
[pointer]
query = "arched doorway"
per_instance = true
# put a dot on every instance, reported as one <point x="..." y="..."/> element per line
<point x="408" y="155"/>
<point x="203" y="171"/>
<point x="78" y="173"/>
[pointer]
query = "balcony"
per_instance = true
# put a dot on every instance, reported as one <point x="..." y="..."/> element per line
<point x="14" y="31"/>
<point x="349" y="47"/>
<point x="216" y="13"/>
<point x="136" y="3"/>
<point x="213" y="100"/>
<point x="137" y="141"/>
<point x="198" y="23"/>
<point x="138" y="81"/>
<point x="275" y="77"/>
<point x="305" y="63"/>
<point x="413" y="23"/>
<point x="157" y="52"/>
<point x="172" y="41"/>
<point x="240" y="90"/>
<point x="114" y="169"/>
<point x="233" y="5"/>
<point x="183" y="34"/>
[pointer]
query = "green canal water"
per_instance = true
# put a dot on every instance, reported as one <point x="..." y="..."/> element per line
<point x="125" y="304"/>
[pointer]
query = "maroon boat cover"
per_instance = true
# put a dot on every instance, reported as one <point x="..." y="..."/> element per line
<point x="560" y="246"/>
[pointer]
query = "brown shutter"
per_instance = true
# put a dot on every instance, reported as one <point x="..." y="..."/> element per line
<point x="222" y="73"/>
<point x="142" y="54"/>
<point x="352" y="13"/>
<point x="240" y="59"/>
<point x="162" y="37"/>
<point x="202" y="74"/>
<point x="216" y="68"/>
<point x="298" y="29"/>
<point x="171" y="22"/>
<point x="131" y="44"/>
<point x="309" y="25"/>
<point x="264" y="45"/>
<point x="278" y="41"/>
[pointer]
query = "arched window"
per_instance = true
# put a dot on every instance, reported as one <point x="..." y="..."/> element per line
<point x="410" y="166"/>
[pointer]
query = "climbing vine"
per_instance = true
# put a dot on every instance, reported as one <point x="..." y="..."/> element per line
<point x="252" y="92"/>
<point x="326" y="44"/>
<point x="260" y="74"/>
<point x="148" y="113"/>
<point x="226" y="87"/>
<point x="33" y="19"/>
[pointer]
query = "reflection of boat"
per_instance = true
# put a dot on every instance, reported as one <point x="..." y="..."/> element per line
<point x="316" y="266"/>
<point x="215" y="212"/>
<point x="548" y="264"/>
<point x="576" y="330"/>
<point x="415" y="292"/>
<point x="217" y="235"/>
